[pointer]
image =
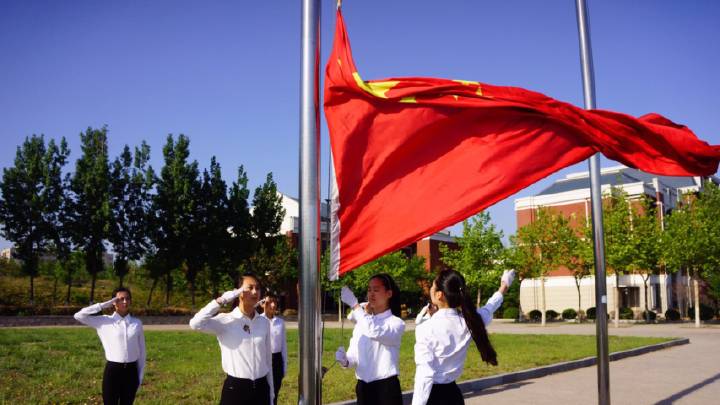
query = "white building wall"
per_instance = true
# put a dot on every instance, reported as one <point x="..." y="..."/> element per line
<point x="561" y="293"/>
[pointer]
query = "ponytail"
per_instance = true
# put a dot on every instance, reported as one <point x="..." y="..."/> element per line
<point x="452" y="284"/>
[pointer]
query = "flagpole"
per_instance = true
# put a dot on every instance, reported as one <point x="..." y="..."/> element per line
<point x="310" y="377"/>
<point x="601" y="329"/>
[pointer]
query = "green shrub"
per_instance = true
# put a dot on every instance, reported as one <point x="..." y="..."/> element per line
<point x="511" y="313"/>
<point x="651" y="314"/>
<point x="535" y="315"/>
<point x="626" y="313"/>
<point x="672" y="314"/>
<point x="590" y="313"/>
<point x="551" y="315"/>
<point x="569" y="314"/>
<point x="706" y="312"/>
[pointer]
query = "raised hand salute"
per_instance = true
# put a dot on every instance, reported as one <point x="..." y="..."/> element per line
<point x="123" y="340"/>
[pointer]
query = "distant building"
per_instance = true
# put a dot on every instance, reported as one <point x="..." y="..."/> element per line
<point x="571" y="197"/>
<point x="7" y="253"/>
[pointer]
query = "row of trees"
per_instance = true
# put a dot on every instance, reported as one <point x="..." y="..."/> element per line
<point x="180" y="220"/>
<point x="639" y="239"/>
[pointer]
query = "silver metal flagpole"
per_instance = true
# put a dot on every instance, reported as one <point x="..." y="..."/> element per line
<point x="310" y="377"/>
<point x="601" y="329"/>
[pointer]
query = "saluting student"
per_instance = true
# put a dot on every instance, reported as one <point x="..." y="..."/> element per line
<point x="244" y="338"/>
<point x="441" y="342"/>
<point x="278" y="342"/>
<point x="123" y="339"/>
<point x="374" y="348"/>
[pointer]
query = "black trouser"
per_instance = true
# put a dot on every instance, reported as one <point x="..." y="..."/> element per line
<point x="120" y="383"/>
<point x="380" y="392"/>
<point x="445" y="394"/>
<point x="241" y="391"/>
<point x="278" y="370"/>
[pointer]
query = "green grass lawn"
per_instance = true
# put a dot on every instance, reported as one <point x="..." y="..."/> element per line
<point x="65" y="365"/>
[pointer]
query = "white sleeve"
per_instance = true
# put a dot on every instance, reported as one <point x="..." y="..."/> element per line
<point x="85" y="316"/>
<point x="425" y="364"/>
<point x="268" y="360"/>
<point x="352" y="351"/>
<point x="141" y="356"/>
<point x="388" y="333"/>
<point x="203" y="319"/>
<point x="486" y="312"/>
<point x="284" y="348"/>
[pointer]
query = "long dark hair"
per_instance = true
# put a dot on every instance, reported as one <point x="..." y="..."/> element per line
<point x="452" y="284"/>
<point x="389" y="284"/>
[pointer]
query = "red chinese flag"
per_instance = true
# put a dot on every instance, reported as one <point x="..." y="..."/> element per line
<point x="415" y="155"/>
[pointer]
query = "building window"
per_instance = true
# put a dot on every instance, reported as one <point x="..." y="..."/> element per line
<point x="629" y="297"/>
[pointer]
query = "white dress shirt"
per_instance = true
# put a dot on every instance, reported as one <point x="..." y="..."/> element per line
<point x="278" y="339"/>
<point x="122" y="337"/>
<point x="374" y="348"/>
<point x="244" y="342"/>
<point x="441" y="344"/>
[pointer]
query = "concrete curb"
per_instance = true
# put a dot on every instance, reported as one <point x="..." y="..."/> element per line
<point x="473" y="386"/>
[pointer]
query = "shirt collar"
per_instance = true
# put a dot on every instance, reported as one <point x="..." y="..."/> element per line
<point x="238" y="314"/>
<point x="385" y="314"/>
<point x="446" y="312"/>
<point x="117" y="318"/>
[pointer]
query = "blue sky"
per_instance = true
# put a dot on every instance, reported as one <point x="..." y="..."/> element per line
<point x="226" y="73"/>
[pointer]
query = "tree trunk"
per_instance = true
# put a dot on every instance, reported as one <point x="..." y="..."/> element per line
<point x="154" y="284"/>
<point x="32" y="291"/>
<point x="92" y="289"/>
<point x="55" y="283"/>
<point x="617" y="301"/>
<point x="520" y="312"/>
<point x="478" y="303"/>
<point x="192" y="293"/>
<point x="67" y="297"/>
<point x="577" y="284"/>
<point x="340" y="318"/>
<point x="696" y="290"/>
<point x="121" y="280"/>
<point x="647" y="310"/>
<point x="542" y="286"/>
<point x="168" y="287"/>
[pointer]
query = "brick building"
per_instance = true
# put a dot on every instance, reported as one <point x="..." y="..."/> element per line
<point x="570" y="196"/>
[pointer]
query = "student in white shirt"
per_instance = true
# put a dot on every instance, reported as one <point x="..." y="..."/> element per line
<point x="441" y="342"/>
<point x="278" y="341"/>
<point x="123" y="339"/>
<point x="374" y="348"/>
<point x="244" y="338"/>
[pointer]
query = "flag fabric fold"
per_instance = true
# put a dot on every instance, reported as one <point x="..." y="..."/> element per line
<point x="415" y="155"/>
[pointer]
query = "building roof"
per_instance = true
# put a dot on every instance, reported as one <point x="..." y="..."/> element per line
<point x="620" y="175"/>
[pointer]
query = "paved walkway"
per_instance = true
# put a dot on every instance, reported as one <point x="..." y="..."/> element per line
<point x="687" y="374"/>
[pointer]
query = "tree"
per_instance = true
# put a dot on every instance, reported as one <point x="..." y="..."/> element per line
<point x="691" y="238"/>
<point x="645" y="242"/>
<point x="575" y="252"/>
<point x="91" y="208"/>
<point x="408" y="273"/>
<point x="617" y="223"/>
<point x="536" y="247"/>
<point x="267" y="213"/>
<point x="480" y="253"/>
<point x="132" y="180"/>
<point x="217" y="211"/>
<point x="173" y="205"/>
<point x="240" y="243"/>
<point x="22" y="206"/>
<point x="57" y="215"/>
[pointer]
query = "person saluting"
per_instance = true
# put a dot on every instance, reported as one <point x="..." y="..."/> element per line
<point x="123" y="340"/>
<point x="244" y="339"/>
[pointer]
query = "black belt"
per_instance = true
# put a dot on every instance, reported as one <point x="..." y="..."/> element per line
<point x="122" y="365"/>
<point x="247" y="380"/>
